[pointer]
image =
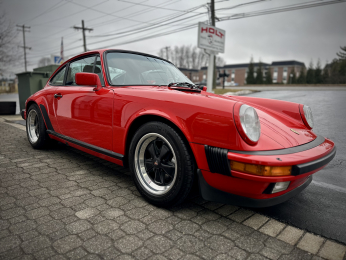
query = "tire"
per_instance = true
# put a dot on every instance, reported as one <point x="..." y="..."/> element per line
<point x="35" y="128"/>
<point x="161" y="164"/>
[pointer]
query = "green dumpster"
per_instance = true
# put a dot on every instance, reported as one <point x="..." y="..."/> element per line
<point x="32" y="81"/>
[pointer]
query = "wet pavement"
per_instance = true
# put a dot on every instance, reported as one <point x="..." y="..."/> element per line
<point x="321" y="207"/>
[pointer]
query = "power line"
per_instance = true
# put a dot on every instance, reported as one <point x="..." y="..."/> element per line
<point x="110" y="14"/>
<point x="237" y="16"/>
<point x="69" y="15"/>
<point x="47" y="11"/>
<point x="136" y="13"/>
<point x="279" y="10"/>
<point x="156" y="7"/>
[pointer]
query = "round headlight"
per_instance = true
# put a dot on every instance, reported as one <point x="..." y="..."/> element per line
<point x="250" y="122"/>
<point x="308" y="116"/>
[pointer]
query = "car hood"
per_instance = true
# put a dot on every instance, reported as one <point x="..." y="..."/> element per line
<point x="281" y="122"/>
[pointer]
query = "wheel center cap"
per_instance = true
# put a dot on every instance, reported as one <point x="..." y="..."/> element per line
<point x="156" y="163"/>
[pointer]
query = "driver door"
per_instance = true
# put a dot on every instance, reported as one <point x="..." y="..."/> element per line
<point x="81" y="112"/>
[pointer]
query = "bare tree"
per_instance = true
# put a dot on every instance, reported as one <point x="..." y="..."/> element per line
<point x="44" y="62"/>
<point x="8" y="45"/>
<point x="190" y="57"/>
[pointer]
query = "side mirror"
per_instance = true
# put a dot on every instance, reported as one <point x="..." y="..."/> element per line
<point x="88" y="79"/>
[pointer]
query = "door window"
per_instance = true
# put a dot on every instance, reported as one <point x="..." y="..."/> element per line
<point x="98" y="70"/>
<point x="58" y="79"/>
<point x="82" y="65"/>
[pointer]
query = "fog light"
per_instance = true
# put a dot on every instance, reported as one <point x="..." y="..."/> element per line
<point x="280" y="186"/>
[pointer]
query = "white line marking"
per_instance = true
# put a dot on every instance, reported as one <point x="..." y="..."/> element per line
<point x="329" y="186"/>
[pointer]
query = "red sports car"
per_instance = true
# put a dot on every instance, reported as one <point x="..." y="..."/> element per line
<point x="140" y="111"/>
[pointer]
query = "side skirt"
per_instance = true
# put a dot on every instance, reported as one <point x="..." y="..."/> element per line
<point x="88" y="146"/>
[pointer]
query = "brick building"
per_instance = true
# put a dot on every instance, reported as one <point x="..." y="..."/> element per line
<point x="280" y="72"/>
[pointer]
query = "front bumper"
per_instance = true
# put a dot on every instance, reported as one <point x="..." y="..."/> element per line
<point x="212" y="194"/>
<point x="220" y="183"/>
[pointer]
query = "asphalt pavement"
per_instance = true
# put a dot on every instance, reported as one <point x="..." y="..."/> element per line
<point x="321" y="207"/>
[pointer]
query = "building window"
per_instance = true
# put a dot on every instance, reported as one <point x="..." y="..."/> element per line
<point x="275" y="75"/>
<point x="284" y="76"/>
<point x="232" y="75"/>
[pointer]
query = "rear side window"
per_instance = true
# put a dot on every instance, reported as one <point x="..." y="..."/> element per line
<point x="82" y="65"/>
<point x="58" y="79"/>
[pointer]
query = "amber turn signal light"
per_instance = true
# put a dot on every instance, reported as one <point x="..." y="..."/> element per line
<point x="261" y="170"/>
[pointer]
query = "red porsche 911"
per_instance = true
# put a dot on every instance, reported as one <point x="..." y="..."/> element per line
<point x="140" y="111"/>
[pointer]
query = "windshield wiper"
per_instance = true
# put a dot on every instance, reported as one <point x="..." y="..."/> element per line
<point x="183" y="84"/>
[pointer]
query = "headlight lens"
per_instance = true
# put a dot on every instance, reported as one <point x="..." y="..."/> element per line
<point x="308" y="116"/>
<point x="250" y="122"/>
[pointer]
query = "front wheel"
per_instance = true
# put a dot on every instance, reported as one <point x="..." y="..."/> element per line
<point x="161" y="164"/>
<point x="35" y="128"/>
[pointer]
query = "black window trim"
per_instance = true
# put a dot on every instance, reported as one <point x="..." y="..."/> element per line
<point x="131" y="52"/>
<point x="56" y="73"/>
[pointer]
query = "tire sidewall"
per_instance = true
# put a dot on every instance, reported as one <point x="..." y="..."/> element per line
<point x="42" y="128"/>
<point x="171" y="136"/>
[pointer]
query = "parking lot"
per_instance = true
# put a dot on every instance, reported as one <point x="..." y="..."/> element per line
<point x="321" y="208"/>
<point x="61" y="203"/>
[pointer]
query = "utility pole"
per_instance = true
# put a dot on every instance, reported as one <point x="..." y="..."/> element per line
<point x="211" y="80"/>
<point x="167" y="48"/>
<point x="22" y="28"/>
<point x="83" y="28"/>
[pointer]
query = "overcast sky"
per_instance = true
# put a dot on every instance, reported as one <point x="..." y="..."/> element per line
<point x="296" y="35"/>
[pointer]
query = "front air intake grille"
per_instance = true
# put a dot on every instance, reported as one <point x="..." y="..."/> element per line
<point x="217" y="160"/>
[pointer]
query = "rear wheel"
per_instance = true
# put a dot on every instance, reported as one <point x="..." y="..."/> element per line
<point x="35" y="128"/>
<point x="161" y="165"/>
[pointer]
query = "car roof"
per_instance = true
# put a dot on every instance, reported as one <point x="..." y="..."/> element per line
<point x="116" y="50"/>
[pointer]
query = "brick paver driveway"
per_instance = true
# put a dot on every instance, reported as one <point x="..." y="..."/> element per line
<point x="60" y="203"/>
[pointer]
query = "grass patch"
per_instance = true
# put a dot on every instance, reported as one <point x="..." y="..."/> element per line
<point x="221" y="91"/>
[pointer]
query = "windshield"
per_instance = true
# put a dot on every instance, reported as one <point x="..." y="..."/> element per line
<point x="134" y="69"/>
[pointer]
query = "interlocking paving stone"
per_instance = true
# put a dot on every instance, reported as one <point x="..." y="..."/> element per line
<point x="78" y="226"/>
<point x="60" y="203"/>
<point x="189" y="244"/>
<point x="333" y="251"/>
<point x="290" y="235"/>
<point x="128" y="244"/>
<point x="158" y="244"/>
<point x="87" y="213"/>
<point x="97" y="244"/>
<point x="67" y="243"/>
<point x="272" y="228"/>
<point x="256" y="221"/>
<point x="310" y="243"/>
<point x="241" y="215"/>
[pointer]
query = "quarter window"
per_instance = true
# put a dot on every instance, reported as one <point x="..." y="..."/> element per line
<point x="58" y="79"/>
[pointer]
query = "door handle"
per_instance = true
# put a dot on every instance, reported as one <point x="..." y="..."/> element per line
<point x="58" y="95"/>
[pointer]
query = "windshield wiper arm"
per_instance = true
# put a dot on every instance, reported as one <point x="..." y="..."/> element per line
<point x="182" y="84"/>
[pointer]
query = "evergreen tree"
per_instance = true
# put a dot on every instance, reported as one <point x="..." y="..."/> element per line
<point x="259" y="74"/>
<point x="325" y="75"/>
<point x="301" y="79"/>
<point x="310" y="77"/>
<point x="318" y="73"/>
<point x="269" y="79"/>
<point x="250" y="79"/>
<point x="342" y="54"/>
<point x="293" y="79"/>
